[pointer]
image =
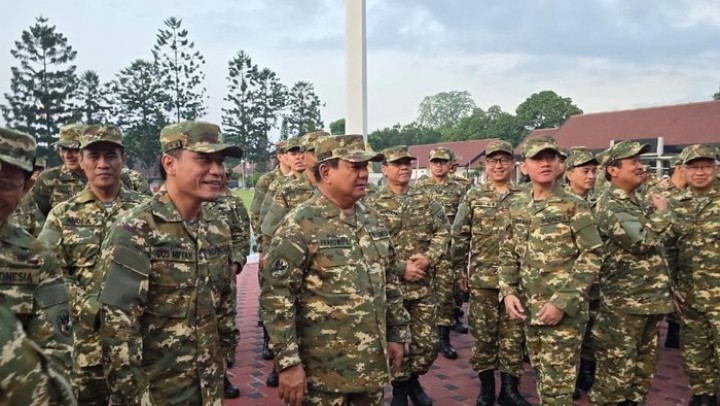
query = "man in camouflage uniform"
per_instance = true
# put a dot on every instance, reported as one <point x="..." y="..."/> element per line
<point x="419" y="232"/>
<point x="448" y="190"/>
<point x="634" y="283"/>
<point x="330" y="298"/>
<point x="77" y="227"/>
<point x="232" y="209"/>
<point x="697" y="281"/>
<point x="580" y="178"/>
<point x="498" y="339"/>
<point x="166" y="266"/>
<point x="549" y="256"/>
<point x="30" y="276"/>
<point x="27" y="376"/>
<point x="28" y="215"/>
<point x="62" y="182"/>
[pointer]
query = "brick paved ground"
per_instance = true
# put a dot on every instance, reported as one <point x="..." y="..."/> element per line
<point x="448" y="383"/>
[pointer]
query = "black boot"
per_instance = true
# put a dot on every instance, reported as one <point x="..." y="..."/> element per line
<point x="445" y="348"/>
<point x="586" y="375"/>
<point x="487" y="388"/>
<point x="628" y="403"/>
<point x="229" y="390"/>
<point x="703" y="400"/>
<point x="510" y="392"/>
<point x="266" y="354"/>
<point x="417" y="393"/>
<point x="459" y="327"/>
<point x="672" y="339"/>
<point x="400" y="392"/>
<point x="273" y="380"/>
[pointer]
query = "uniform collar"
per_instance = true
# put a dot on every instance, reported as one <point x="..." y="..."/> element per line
<point x="87" y="196"/>
<point x="164" y="208"/>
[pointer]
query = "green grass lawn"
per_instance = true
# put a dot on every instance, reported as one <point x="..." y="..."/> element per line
<point x="246" y="195"/>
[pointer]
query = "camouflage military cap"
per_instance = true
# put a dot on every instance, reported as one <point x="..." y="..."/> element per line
<point x="197" y="136"/>
<point x="39" y="163"/>
<point x="399" y="152"/>
<point x="70" y="136"/>
<point x="294" y="143"/>
<point x="280" y="147"/>
<point x="564" y="153"/>
<point x="92" y="134"/>
<point x="536" y="145"/>
<point x="349" y="148"/>
<point x="624" y="149"/>
<point x="676" y="160"/>
<point x="310" y="139"/>
<point x="437" y="153"/>
<point x="579" y="157"/>
<point x="17" y="149"/>
<point x="698" y="151"/>
<point x="498" y="146"/>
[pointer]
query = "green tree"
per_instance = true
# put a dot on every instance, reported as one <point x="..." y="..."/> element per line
<point x="716" y="96"/>
<point x="445" y="109"/>
<point x="137" y="98"/>
<point x="545" y="110"/>
<point x="270" y="97"/>
<point x="304" y="109"/>
<point x="337" y="127"/>
<point x="41" y="87"/>
<point x="239" y="119"/>
<point x="409" y="134"/>
<point x="179" y="66"/>
<point x="91" y="105"/>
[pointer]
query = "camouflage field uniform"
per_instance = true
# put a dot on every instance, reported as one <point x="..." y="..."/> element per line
<point x="259" y="195"/>
<point x="136" y="181"/>
<point x="27" y="376"/>
<point x="417" y="225"/>
<point x="330" y="297"/>
<point x="697" y="232"/>
<point x="635" y="294"/>
<point x="30" y="276"/>
<point x="167" y="285"/>
<point x="477" y="229"/>
<point x="28" y="216"/>
<point x="449" y="195"/>
<point x="551" y="254"/>
<point x="77" y="227"/>
<point x="287" y="197"/>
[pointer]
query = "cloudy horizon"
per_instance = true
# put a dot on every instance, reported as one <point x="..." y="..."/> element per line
<point x="604" y="54"/>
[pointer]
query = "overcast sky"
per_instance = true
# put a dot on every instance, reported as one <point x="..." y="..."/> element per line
<point x="604" y="54"/>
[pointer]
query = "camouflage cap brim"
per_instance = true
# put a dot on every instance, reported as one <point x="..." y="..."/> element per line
<point x="67" y="144"/>
<point x="361" y="156"/>
<point x="14" y="161"/>
<point x="405" y="156"/>
<point x="536" y="151"/>
<point x="631" y="152"/>
<point x="232" y="151"/>
<point x="93" y="142"/>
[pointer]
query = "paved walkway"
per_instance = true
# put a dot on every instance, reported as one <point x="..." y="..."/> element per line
<point x="449" y="383"/>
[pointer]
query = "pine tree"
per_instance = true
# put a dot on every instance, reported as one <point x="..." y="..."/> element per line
<point x="304" y="109"/>
<point x="92" y="105"/>
<point x="41" y="87"/>
<point x="179" y="65"/>
<point x="137" y="99"/>
<point x="270" y="97"/>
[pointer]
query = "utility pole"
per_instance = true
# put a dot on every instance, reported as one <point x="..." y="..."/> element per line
<point x="355" y="68"/>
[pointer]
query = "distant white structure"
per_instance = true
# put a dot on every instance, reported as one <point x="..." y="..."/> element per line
<point x="355" y="68"/>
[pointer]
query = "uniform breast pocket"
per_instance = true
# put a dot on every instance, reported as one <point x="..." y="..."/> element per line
<point x="171" y="287"/>
<point x="556" y="242"/>
<point x="484" y="219"/>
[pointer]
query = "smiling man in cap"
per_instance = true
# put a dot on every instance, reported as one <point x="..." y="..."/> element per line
<point x="634" y="283"/>
<point x="77" y="227"/>
<point x="330" y="299"/>
<point x="167" y="269"/>
<point x="549" y="256"/>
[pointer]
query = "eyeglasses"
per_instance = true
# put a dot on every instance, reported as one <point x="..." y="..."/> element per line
<point x="499" y="161"/>
<point x="700" y="168"/>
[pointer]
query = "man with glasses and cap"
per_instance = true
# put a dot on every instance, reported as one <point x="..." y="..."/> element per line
<point x="420" y="233"/>
<point x="696" y="237"/>
<point x="445" y="187"/>
<point x="498" y="340"/>
<point x="549" y="255"/>
<point x="31" y="283"/>
<point x="76" y="228"/>
<point x="167" y="321"/>
<point x="634" y="282"/>
<point x="330" y="298"/>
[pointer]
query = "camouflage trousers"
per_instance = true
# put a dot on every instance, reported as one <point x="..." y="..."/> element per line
<point x="587" y="349"/>
<point x="446" y="293"/>
<point x="626" y="354"/>
<point x="700" y="347"/>
<point x="89" y="386"/>
<point x="498" y="340"/>
<point x="554" y="351"/>
<point x="318" y="398"/>
<point x="424" y="342"/>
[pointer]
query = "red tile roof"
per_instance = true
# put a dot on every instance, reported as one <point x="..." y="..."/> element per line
<point x="679" y="125"/>
<point x="534" y="134"/>
<point x="468" y="152"/>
